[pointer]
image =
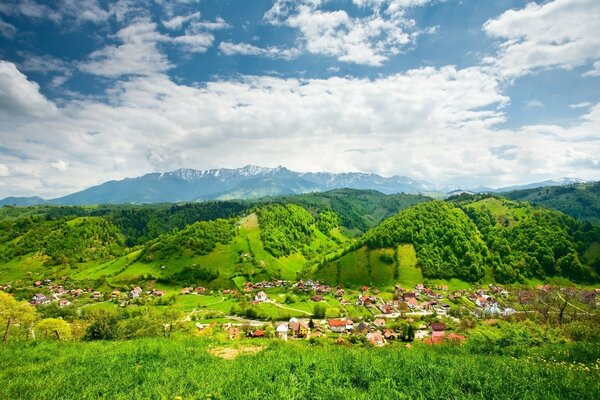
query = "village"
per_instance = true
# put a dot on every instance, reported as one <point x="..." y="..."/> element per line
<point x="308" y="309"/>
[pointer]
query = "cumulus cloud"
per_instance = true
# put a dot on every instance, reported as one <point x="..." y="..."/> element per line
<point x="229" y="49"/>
<point x="19" y="96"/>
<point x="555" y="34"/>
<point x="368" y="40"/>
<point x="139" y="50"/>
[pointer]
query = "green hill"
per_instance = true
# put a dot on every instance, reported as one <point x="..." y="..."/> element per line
<point x="581" y="201"/>
<point x="489" y="238"/>
<point x="223" y="244"/>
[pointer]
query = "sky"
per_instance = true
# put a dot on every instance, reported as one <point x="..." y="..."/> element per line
<point x="458" y="92"/>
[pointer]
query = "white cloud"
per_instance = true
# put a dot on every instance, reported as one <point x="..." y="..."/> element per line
<point x="584" y="104"/>
<point x="138" y="53"/>
<point x="60" y="165"/>
<point x="7" y="30"/>
<point x="178" y="21"/>
<point x="436" y="124"/>
<point x="229" y="49"/>
<point x="4" y="170"/>
<point x="555" y="34"/>
<point x="19" y="96"/>
<point x="595" y="71"/>
<point x="77" y="11"/>
<point x="368" y="40"/>
<point x="534" y="103"/>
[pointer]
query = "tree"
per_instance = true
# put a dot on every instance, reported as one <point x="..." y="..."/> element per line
<point x="103" y="326"/>
<point x="15" y="313"/>
<point x="319" y="311"/>
<point x="54" y="328"/>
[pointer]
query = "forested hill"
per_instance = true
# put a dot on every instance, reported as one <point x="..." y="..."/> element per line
<point x="581" y="201"/>
<point x="477" y="237"/>
<point x="472" y="238"/>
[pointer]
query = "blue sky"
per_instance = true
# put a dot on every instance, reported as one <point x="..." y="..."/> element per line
<point x="453" y="92"/>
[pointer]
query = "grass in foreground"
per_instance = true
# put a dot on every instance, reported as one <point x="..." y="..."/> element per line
<point x="165" y="369"/>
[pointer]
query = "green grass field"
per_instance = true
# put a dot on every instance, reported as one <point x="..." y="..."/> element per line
<point x="187" y="369"/>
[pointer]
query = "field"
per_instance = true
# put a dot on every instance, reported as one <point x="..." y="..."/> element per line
<point x="196" y="368"/>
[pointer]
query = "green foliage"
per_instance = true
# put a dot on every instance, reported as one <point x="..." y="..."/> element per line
<point x="103" y="325"/>
<point x="447" y="243"/>
<point x="63" y="241"/>
<point x="539" y="243"/>
<point x="327" y="220"/>
<point x="511" y="338"/>
<point x="581" y="201"/>
<point x="198" y="238"/>
<point x="53" y="328"/>
<point x="191" y="276"/>
<point x="358" y="210"/>
<point x="285" y="229"/>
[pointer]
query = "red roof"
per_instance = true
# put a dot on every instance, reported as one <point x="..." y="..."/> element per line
<point x="337" y="322"/>
<point x="438" y="327"/>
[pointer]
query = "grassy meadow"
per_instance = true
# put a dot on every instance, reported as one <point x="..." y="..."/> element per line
<point x="198" y="368"/>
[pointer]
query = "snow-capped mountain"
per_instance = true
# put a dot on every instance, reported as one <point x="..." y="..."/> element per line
<point x="250" y="181"/>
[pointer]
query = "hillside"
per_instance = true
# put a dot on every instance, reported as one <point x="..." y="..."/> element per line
<point x="223" y="244"/>
<point x="491" y="238"/>
<point x="581" y="201"/>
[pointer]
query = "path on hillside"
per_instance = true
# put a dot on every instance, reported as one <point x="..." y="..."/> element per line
<point x="276" y="304"/>
<point x="189" y="317"/>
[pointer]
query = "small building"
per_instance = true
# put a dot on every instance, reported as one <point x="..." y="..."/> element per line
<point x="340" y="325"/>
<point x="282" y="331"/>
<point x="261" y="297"/>
<point x="135" y="292"/>
<point x="379" y="322"/>
<point x="64" y="303"/>
<point x="39" y="299"/>
<point x="376" y="338"/>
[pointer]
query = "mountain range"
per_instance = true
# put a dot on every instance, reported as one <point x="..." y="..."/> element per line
<point x="242" y="183"/>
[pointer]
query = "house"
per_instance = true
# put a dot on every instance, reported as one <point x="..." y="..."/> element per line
<point x="442" y="287"/>
<point x="437" y="327"/>
<point x="39" y="299"/>
<point x="339" y="293"/>
<point x="282" y="331"/>
<point x="157" y="293"/>
<point x="362" y="328"/>
<point x="64" y="303"/>
<point x="317" y="298"/>
<point x="412" y="302"/>
<point x="376" y="338"/>
<point x="340" y="325"/>
<point x="97" y="296"/>
<point x="419" y="286"/>
<point x="135" y="292"/>
<point x="379" y="322"/>
<point x="299" y="329"/>
<point x="261" y="297"/>
<point x="366" y="300"/>
<point x="200" y="290"/>
<point x="364" y="288"/>
<point x="37" y="283"/>
<point x="388" y="334"/>
<point x="115" y="293"/>
<point x="186" y="291"/>
<point x="257" y="334"/>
